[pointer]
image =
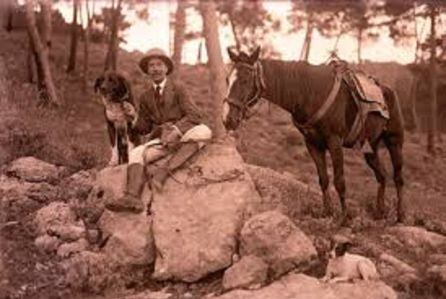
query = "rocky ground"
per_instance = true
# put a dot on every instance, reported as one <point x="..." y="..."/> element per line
<point x="58" y="241"/>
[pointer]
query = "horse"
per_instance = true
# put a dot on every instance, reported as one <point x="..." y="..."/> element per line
<point x="304" y="90"/>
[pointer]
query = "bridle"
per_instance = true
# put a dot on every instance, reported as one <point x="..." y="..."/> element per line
<point x="259" y="87"/>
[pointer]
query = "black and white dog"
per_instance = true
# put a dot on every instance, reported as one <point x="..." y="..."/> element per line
<point x="116" y="95"/>
<point x="343" y="266"/>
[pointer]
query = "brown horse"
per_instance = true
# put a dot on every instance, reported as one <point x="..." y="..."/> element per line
<point x="302" y="89"/>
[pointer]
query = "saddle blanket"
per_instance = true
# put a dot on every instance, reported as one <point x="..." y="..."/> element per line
<point x="370" y="93"/>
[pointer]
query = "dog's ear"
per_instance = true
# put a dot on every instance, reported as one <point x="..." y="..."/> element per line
<point x="98" y="82"/>
<point x="342" y="248"/>
<point x="124" y="88"/>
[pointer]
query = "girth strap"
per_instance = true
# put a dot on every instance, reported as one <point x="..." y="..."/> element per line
<point x="325" y="106"/>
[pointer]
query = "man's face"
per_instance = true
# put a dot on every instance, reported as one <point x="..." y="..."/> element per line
<point x="157" y="69"/>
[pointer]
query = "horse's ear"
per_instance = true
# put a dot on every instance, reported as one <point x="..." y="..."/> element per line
<point x="255" y="55"/>
<point x="232" y="55"/>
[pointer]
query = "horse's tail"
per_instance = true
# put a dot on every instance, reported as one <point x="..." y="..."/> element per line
<point x="396" y="121"/>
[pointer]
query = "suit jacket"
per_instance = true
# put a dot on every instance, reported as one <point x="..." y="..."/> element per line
<point x="175" y="107"/>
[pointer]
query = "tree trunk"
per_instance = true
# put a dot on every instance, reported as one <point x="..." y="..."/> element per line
<point x="234" y="30"/>
<point x="6" y="14"/>
<point x="74" y="37"/>
<point x="305" y="51"/>
<point x="200" y="51"/>
<point x="47" y="28"/>
<point x="432" y="124"/>
<point x="42" y="54"/>
<point x="415" y="121"/>
<point x="111" y="59"/>
<point x="178" y="41"/>
<point x="86" y="46"/>
<point x="215" y="62"/>
<point x="360" y="31"/>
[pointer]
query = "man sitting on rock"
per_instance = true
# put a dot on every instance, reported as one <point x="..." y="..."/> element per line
<point x="170" y="123"/>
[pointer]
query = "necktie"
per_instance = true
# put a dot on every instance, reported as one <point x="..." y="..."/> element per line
<point x="158" y="93"/>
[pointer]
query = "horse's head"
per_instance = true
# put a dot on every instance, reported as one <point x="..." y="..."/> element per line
<point x="245" y="86"/>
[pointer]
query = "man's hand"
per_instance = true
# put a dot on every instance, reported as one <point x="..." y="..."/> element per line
<point x="129" y="111"/>
<point x="170" y="136"/>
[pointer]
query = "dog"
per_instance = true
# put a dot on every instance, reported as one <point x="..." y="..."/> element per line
<point x="344" y="267"/>
<point x="116" y="96"/>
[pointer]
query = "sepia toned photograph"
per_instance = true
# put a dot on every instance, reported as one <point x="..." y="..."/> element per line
<point x="238" y="149"/>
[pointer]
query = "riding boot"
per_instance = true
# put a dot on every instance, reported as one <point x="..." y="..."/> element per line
<point x="183" y="154"/>
<point x="131" y="201"/>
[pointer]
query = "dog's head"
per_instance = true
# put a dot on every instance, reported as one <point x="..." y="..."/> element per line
<point x="114" y="87"/>
<point x="339" y="246"/>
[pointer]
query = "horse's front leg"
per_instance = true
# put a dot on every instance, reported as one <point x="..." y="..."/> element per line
<point x="334" y="144"/>
<point x="319" y="158"/>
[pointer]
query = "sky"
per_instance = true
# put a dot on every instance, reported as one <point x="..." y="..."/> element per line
<point x="143" y="35"/>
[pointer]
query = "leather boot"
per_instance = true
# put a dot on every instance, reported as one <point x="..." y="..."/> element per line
<point x="131" y="201"/>
<point x="183" y="154"/>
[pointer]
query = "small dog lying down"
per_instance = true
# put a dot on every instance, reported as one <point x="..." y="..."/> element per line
<point x="119" y="110"/>
<point x="343" y="266"/>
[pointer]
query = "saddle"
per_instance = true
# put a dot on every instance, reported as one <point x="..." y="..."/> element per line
<point x="368" y="97"/>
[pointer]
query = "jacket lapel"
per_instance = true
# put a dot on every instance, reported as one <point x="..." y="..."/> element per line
<point x="168" y="94"/>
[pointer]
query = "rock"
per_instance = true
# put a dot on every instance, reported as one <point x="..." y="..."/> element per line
<point x="196" y="222"/>
<point x="400" y="266"/>
<point x="163" y="294"/>
<point x="31" y="169"/>
<point x="88" y="271"/>
<point x="417" y="237"/>
<point x="130" y="238"/>
<point x="438" y="272"/>
<point x="55" y="214"/>
<point x="282" y="192"/>
<point x="437" y="276"/>
<point x="437" y="259"/>
<point x="113" y="180"/>
<point x="300" y="286"/>
<point x="250" y="272"/>
<point x="43" y="192"/>
<point x="90" y="209"/>
<point x="67" y="249"/>
<point x="67" y="233"/>
<point x="46" y="243"/>
<point x="79" y="185"/>
<point x="274" y="238"/>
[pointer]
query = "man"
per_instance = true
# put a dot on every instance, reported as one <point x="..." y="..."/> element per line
<point x="171" y="123"/>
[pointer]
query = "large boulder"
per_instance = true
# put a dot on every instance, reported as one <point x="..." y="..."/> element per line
<point x="300" y="286"/>
<point x="31" y="169"/>
<point x="417" y="237"/>
<point x="282" y="192"/>
<point x="111" y="183"/>
<point x="198" y="216"/>
<point x="250" y="272"/>
<point x="130" y="239"/>
<point x="273" y="237"/>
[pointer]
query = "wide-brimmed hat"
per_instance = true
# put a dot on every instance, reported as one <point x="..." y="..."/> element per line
<point x="156" y="53"/>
